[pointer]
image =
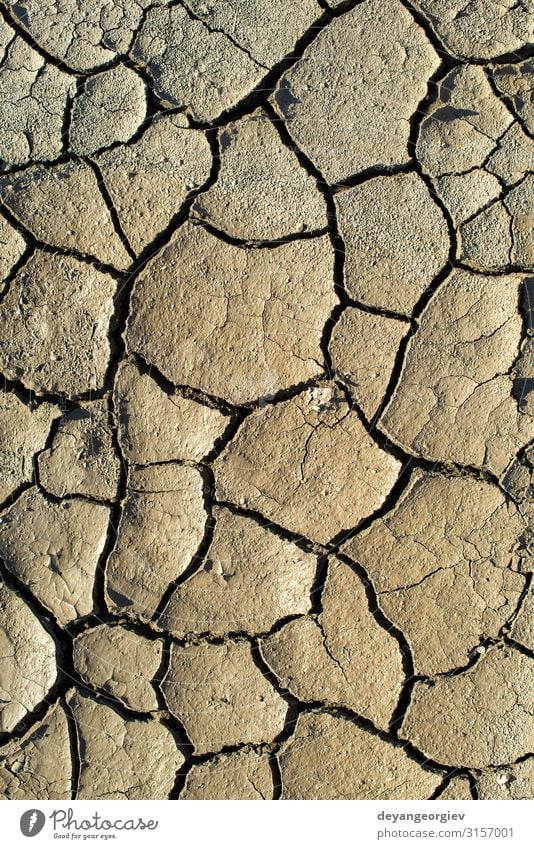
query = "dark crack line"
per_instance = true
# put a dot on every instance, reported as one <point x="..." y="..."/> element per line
<point x="32" y="399"/>
<point x="508" y="101"/>
<point x="338" y="245"/>
<point x="110" y="206"/>
<point x="298" y="707"/>
<point x="370" y="173"/>
<point x="443" y="50"/>
<point x="508" y="641"/>
<point x="41" y="613"/>
<point x="190" y="392"/>
<point x="454" y="773"/>
<point x="75" y="753"/>
<point x="25" y="36"/>
<point x="257" y="244"/>
<point x="15" y="494"/>
<point x="305" y="544"/>
<point x="56" y="250"/>
<point x="5" y="285"/>
<point x="208" y="486"/>
<point x="390" y="628"/>
<point x="316" y="594"/>
<point x="213" y="30"/>
<point x="500" y="272"/>
<point x="212" y="638"/>
<point x="266" y="86"/>
<point x="423" y="22"/>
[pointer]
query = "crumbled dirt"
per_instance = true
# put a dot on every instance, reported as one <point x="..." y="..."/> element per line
<point x="267" y="400"/>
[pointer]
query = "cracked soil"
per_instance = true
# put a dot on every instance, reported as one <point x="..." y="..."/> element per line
<point x="267" y="408"/>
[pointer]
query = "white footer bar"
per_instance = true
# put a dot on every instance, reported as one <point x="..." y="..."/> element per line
<point x="260" y="825"/>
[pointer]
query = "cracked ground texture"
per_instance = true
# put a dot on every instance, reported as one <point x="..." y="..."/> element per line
<point x="267" y="408"/>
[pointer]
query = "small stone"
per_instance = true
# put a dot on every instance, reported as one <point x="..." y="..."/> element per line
<point x="149" y="180"/>
<point x="322" y="397"/>
<point x="453" y="401"/>
<point x="315" y="473"/>
<point x="480" y="29"/>
<point x="61" y="205"/>
<point x="110" y="109"/>
<point x="514" y="782"/>
<point x="258" y="182"/>
<point x="38" y="766"/>
<point x="28" y="660"/>
<point x="208" y="77"/>
<point x="330" y="757"/>
<point x="160" y="530"/>
<point x="55" y="322"/>
<point x="250" y="579"/>
<point x="237" y="775"/>
<point x="121" y="663"/>
<point x="82" y="459"/>
<point x="479" y="717"/>
<point x="450" y="545"/>
<point x="368" y="71"/>
<point x="23" y="432"/>
<point x="155" y="427"/>
<point x="221" y="697"/>
<point x="364" y="347"/>
<point x="54" y="549"/>
<point x="344" y="658"/>
<point x="122" y="758"/>
<point x="396" y="241"/>
<point x="240" y="323"/>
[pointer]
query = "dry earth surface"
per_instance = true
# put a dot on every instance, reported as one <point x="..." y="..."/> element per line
<point x="267" y="358"/>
